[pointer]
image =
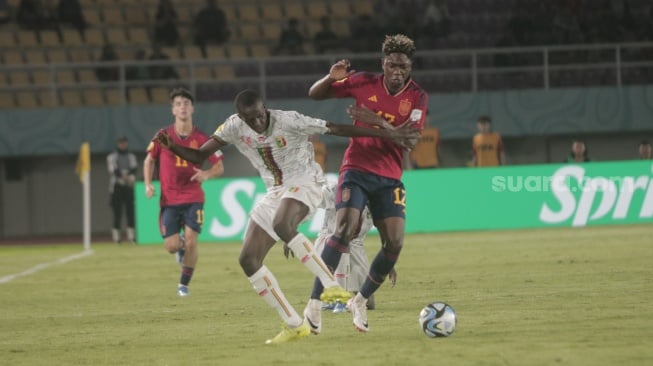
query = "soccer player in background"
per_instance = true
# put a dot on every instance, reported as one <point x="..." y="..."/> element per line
<point x="426" y="154"/>
<point x="487" y="145"/>
<point x="372" y="168"/>
<point x="182" y="197"/>
<point x="277" y="144"/>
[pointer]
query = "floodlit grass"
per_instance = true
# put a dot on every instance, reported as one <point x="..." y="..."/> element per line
<point x="539" y="297"/>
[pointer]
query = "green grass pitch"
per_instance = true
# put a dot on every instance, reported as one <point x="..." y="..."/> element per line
<point x="531" y="297"/>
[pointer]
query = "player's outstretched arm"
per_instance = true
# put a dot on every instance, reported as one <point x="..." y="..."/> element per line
<point x="405" y="136"/>
<point x="196" y="156"/>
<point x="321" y="89"/>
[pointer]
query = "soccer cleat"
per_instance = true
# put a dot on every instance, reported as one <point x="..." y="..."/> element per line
<point x="335" y="294"/>
<point x="182" y="291"/>
<point x="358" y="307"/>
<point x="313" y="316"/>
<point x="290" y="334"/>
<point x="328" y="306"/>
<point x="340" y="308"/>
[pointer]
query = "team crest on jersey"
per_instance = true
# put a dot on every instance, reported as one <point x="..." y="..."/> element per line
<point x="246" y="140"/>
<point x="261" y="139"/>
<point x="293" y="189"/>
<point x="194" y="144"/>
<point x="281" y="142"/>
<point x="404" y="107"/>
<point x="346" y="194"/>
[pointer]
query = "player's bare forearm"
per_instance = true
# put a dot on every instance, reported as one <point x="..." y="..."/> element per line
<point x="321" y="89"/>
<point x="215" y="170"/>
<point x="148" y="168"/>
<point x="195" y="156"/>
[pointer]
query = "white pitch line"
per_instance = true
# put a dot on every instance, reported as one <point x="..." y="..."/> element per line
<point x="41" y="266"/>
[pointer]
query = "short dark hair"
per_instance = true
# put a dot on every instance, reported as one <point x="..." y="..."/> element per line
<point x="484" y="118"/>
<point x="122" y="139"/>
<point x="247" y="98"/>
<point x="398" y="43"/>
<point x="644" y="142"/>
<point x="181" y="92"/>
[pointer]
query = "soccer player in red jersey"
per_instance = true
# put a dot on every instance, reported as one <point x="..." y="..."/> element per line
<point x="371" y="169"/>
<point x="182" y="197"/>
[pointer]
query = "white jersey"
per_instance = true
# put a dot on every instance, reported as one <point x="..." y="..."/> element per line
<point x="329" y="225"/>
<point x="282" y="154"/>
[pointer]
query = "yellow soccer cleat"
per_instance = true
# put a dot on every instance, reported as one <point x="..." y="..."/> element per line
<point x="335" y="294"/>
<point x="290" y="334"/>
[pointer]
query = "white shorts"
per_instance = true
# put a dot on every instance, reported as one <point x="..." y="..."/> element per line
<point x="263" y="213"/>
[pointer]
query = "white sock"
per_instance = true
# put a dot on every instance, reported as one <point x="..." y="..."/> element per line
<point x="266" y="286"/>
<point x="303" y="250"/>
<point x="342" y="272"/>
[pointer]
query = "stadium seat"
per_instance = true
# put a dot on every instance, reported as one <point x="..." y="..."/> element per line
<point x="112" y="16"/>
<point x="248" y="13"/>
<point x="72" y="38"/>
<point x="27" y="39"/>
<point x="113" y="96"/>
<point x="260" y="50"/>
<point x="92" y="16"/>
<point x="35" y="56"/>
<point x="27" y="99"/>
<point x="19" y="78"/>
<point x="185" y="14"/>
<point x="294" y="9"/>
<point x="138" y="96"/>
<point x="79" y="55"/>
<point x="249" y="32"/>
<point x="136" y="16"/>
<point x="272" y="31"/>
<point x="238" y="51"/>
<point x="42" y="77"/>
<point x="192" y="53"/>
<point x="225" y="72"/>
<point x="57" y="55"/>
<point x="138" y="36"/>
<point x="272" y="11"/>
<point x="71" y="98"/>
<point x="317" y="9"/>
<point x="203" y="72"/>
<point x="47" y="98"/>
<point x="215" y="52"/>
<point x="160" y="95"/>
<point x="7" y="39"/>
<point x="94" y="37"/>
<point x="49" y="38"/>
<point x="87" y="76"/>
<point x="340" y="9"/>
<point x="363" y="7"/>
<point x="172" y="52"/>
<point x="7" y="100"/>
<point x="3" y="80"/>
<point x="65" y="76"/>
<point x="116" y="36"/>
<point x="94" y="97"/>
<point x="13" y="57"/>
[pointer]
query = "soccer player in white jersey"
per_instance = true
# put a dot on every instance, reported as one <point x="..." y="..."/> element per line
<point x="277" y="144"/>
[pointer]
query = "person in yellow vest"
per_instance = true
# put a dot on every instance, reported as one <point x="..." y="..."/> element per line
<point x="320" y="151"/>
<point x="426" y="154"/>
<point x="487" y="145"/>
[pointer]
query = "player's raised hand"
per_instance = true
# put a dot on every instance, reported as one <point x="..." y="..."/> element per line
<point x="200" y="175"/>
<point x="406" y="136"/>
<point x="163" y="139"/>
<point x="339" y="70"/>
<point x="364" y="114"/>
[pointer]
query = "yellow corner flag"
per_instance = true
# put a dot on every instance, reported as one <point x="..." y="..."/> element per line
<point x="83" y="161"/>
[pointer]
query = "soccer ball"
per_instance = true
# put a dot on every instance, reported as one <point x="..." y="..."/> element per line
<point x="438" y="320"/>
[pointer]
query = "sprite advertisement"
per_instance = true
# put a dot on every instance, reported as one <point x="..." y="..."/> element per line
<point x="456" y="199"/>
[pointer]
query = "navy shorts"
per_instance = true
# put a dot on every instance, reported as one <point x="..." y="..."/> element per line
<point x="173" y="218"/>
<point x="386" y="197"/>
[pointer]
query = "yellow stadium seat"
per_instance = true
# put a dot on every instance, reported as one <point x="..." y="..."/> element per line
<point x="57" y="55"/>
<point x="94" y="97"/>
<point x="312" y="27"/>
<point x="27" y="99"/>
<point x="7" y="100"/>
<point x="249" y="32"/>
<point x="192" y="53"/>
<point x="42" y="77"/>
<point x="341" y="28"/>
<point x="185" y="14"/>
<point x="294" y="9"/>
<point x="49" y="39"/>
<point x="260" y="50"/>
<point x="71" y="37"/>
<point x="215" y="52"/>
<point x="47" y="98"/>
<point x="160" y="95"/>
<point x="116" y="36"/>
<point x="18" y="78"/>
<point x="27" y="39"/>
<point x="172" y="52"/>
<point x="94" y="37"/>
<point x="248" y="13"/>
<point x="92" y="16"/>
<point x="272" y="31"/>
<point x="139" y="36"/>
<point x="87" y="76"/>
<point x="238" y="51"/>
<point x="65" y="77"/>
<point x="112" y="16"/>
<point x="228" y="9"/>
<point x="340" y="9"/>
<point x="114" y="96"/>
<point x="225" y="72"/>
<point x="136" y="16"/>
<point x="203" y="72"/>
<point x="138" y="96"/>
<point x="71" y="98"/>
<point x="272" y="11"/>
<point x="7" y="39"/>
<point x="3" y="79"/>
<point x="79" y="55"/>
<point x="363" y="7"/>
<point x="35" y="57"/>
<point x="317" y="9"/>
<point x="13" y="57"/>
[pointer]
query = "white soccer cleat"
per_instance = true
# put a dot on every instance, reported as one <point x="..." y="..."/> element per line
<point x="358" y="307"/>
<point x="313" y="316"/>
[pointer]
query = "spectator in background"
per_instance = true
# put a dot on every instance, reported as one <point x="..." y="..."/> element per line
<point x="122" y="167"/>
<point x="108" y="73"/>
<point x="578" y="153"/>
<point x="436" y="19"/>
<point x="210" y="26"/>
<point x="487" y="145"/>
<point x="291" y="41"/>
<point x="165" y="27"/>
<point x="70" y="12"/>
<point x="364" y="34"/>
<point x="325" y="39"/>
<point x="320" y="151"/>
<point x="426" y="154"/>
<point x="161" y="72"/>
<point x="645" y="150"/>
<point x="138" y="72"/>
<point x="33" y="15"/>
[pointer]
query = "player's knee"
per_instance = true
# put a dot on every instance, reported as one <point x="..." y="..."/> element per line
<point x="249" y="263"/>
<point x="284" y="229"/>
<point x="346" y="231"/>
<point x="171" y="247"/>
<point x="394" y="245"/>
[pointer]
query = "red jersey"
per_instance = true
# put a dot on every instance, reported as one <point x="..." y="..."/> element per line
<point x="371" y="154"/>
<point x="175" y="172"/>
